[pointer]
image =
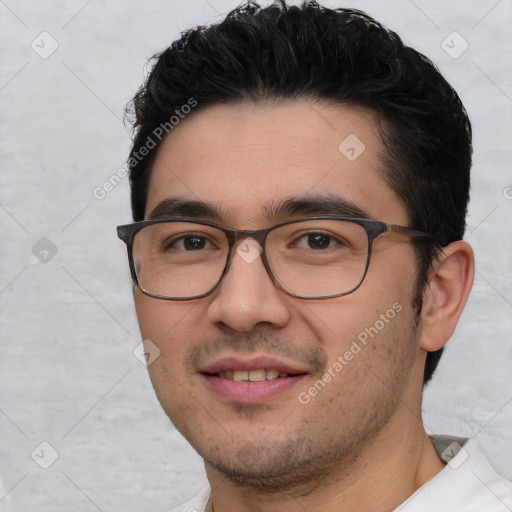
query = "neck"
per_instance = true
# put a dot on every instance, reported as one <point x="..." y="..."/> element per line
<point x="378" y="477"/>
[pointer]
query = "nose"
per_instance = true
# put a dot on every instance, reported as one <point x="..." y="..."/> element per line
<point x="247" y="296"/>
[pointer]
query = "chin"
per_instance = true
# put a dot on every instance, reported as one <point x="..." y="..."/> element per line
<point x="291" y="462"/>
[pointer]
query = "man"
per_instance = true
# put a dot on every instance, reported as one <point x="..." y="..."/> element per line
<point x="299" y="184"/>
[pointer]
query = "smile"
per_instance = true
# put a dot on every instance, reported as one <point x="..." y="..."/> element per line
<point x="253" y="375"/>
<point x="253" y="379"/>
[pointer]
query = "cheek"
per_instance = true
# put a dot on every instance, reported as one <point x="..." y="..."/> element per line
<point x="167" y="324"/>
<point x="157" y="317"/>
<point x="376" y="309"/>
<point x="171" y="327"/>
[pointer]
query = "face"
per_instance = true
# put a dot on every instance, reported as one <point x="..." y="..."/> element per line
<point x="343" y="363"/>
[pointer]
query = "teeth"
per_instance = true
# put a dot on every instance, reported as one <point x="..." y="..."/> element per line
<point x="240" y="375"/>
<point x="253" y="375"/>
<point x="257" y="375"/>
<point x="272" y="374"/>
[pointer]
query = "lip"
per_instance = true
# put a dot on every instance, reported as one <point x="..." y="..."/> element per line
<point x="248" y="392"/>
<point x="252" y="363"/>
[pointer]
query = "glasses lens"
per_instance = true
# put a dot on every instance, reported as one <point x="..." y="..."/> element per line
<point x="179" y="259"/>
<point x="318" y="258"/>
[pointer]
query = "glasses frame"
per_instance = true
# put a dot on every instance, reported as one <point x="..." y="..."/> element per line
<point x="373" y="228"/>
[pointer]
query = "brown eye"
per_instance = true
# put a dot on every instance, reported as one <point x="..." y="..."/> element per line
<point x="318" y="241"/>
<point x="190" y="243"/>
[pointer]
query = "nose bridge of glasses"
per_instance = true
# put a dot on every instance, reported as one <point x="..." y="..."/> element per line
<point x="236" y="237"/>
<point x="247" y="246"/>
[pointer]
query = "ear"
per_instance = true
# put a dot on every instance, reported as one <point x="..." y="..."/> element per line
<point x="446" y="294"/>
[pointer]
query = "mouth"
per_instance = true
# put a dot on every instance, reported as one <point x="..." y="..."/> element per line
<point x="252" y="375"/>
<point x="251" y="381"/>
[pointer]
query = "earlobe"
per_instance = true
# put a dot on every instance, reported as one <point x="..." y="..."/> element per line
<point x="446" y="294"/>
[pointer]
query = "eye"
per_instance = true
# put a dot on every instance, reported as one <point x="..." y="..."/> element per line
<point x="316" y="241"/>
<point x="190" y="243"/>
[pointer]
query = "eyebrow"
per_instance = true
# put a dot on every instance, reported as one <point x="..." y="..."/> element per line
<point x="276" y="210"/>
<point x="174" y="207"/>
<point x="317" y="205"/>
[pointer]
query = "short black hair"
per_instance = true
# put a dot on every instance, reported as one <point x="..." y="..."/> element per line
<point x="343" y="56"/>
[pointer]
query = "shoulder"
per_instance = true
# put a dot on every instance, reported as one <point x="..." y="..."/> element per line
<point x="468" y="483"/>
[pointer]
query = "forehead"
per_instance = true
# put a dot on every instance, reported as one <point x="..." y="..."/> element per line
<point x="247" y="158"/>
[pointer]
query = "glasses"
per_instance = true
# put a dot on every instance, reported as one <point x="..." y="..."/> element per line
<point x="310" y="258"/>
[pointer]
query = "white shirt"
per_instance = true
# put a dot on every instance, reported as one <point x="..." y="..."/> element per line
<point x="468" y="483"/>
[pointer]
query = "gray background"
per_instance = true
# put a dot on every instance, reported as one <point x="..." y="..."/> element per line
<point x="68" y="373"/>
